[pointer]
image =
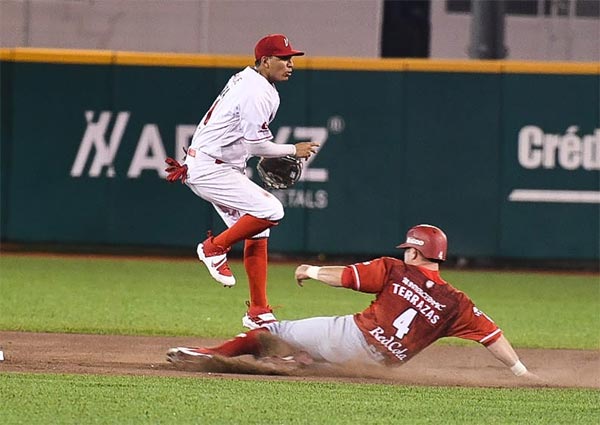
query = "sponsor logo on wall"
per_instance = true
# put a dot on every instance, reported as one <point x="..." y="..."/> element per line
<point x="539" y="150"/>
<point x="104" y="133"/>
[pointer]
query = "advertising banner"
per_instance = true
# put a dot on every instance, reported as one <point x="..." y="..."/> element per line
<point x="506" y="163"/>
<point x="551" y="166"/>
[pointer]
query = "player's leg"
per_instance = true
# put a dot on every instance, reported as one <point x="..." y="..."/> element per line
<point x="245" y="343"/>
<point x="246" y="227"/>
<point x="213" y="250"/>
<point x="255" y="263"/>
<point x="259" y="311"/>
<point x="247" y="209"/>
<point x="332" y="339"/>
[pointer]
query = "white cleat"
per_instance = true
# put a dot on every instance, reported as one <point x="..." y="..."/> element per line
<point x="182" y="354"/>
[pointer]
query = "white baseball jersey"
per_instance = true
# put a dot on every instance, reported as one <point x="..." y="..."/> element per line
<point x="241" y="113"/>
<point x="217" y="156"/>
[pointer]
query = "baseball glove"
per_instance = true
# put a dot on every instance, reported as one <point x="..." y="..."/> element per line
<point x="279" y="173"/>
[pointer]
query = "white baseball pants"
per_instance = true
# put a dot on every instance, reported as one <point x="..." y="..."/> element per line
<point x="333" y="339"/>
<point x="230" y="191"/>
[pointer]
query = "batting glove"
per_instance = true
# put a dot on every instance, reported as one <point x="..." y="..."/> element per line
<point x="176" y="171"/>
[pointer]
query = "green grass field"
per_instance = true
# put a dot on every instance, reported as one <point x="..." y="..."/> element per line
<point x="49" y="399"/>
<point x="160" y="297"/>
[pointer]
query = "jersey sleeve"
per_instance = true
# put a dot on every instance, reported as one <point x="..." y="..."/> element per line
<point x="369" y="276"/>
<point x="474" y="324"/>
<point x="255" y="115"/>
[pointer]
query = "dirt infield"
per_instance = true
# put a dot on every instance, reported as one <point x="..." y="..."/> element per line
<point x="436" y="366"/>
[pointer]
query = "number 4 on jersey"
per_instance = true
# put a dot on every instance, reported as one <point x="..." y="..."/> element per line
<point x="403" y="321"/>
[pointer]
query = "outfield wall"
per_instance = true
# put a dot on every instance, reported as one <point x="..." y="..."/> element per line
<point x="505" y="156"/>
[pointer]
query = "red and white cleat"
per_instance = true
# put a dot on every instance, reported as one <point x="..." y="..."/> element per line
<point x="215" y="259"/>
<point x="257" y="317"/>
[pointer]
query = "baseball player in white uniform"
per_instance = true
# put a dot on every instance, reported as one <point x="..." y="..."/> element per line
<point x="235" y="128"/>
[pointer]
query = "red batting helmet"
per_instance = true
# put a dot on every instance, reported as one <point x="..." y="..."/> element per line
<point x="428" y="239"/>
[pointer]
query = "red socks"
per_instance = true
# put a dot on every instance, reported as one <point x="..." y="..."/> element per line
<point x="246" y="343"/>
<point x="255" y="263"/>
<point x="255" y="254"/>
<point x="246" y="227"/>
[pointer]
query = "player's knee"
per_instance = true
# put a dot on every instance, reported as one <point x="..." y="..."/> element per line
<point x="277" y="211"/>
<point x="273" y="328"/>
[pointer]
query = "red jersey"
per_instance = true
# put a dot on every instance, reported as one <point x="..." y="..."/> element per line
<point x="414" y="307"/>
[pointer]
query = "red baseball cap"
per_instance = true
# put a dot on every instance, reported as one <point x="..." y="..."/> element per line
<point x="275" y="45"/>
